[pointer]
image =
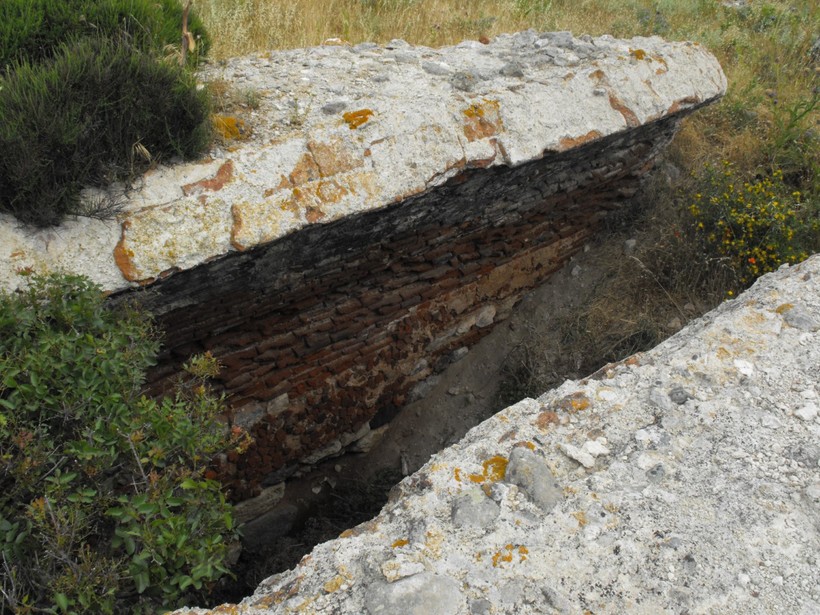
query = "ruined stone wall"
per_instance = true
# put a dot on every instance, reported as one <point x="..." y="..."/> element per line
<point x="325" y="329"/>
<point x="380" y="209"/>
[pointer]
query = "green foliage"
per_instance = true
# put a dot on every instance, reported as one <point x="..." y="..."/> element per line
<point x="34" y="30"/>
<point x="105" y="501"/>
<point x="757" y="224"/>
<point x="101" y="110"/>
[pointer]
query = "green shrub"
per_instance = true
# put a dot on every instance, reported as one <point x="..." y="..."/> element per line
<point x="33" y="30"/>
<point x="105" y="504"/>
<point x="101" y="110"/>
<point x="757" y="224"/>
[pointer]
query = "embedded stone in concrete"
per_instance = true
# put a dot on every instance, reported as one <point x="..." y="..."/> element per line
<point x="474" y="508"/>
<point x="420" y="594"/>
<point x="533" y="476"/>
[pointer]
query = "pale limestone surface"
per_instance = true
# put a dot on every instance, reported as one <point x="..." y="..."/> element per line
<point x="703" y="495"/>
<point x="341" y="130"/>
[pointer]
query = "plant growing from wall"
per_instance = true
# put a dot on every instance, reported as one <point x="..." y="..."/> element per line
<point x="104" y="501"/>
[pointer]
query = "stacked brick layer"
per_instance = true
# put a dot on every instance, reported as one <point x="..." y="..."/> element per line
<point x="344" y="318"/>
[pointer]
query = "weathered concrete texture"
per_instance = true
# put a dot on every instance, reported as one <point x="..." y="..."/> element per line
<point x="689" y="482"/>
<point x="341" y="130"/>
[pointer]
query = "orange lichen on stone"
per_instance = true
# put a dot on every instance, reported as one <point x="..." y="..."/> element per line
<point x="597" y="74"/>
<point x="678" y="104"/>
<point x="574" y="403"/>
<point x="347" y="533"/>
<point x="784" y="307"/>
<point x="482" y="120"/>
<point x="355" y="119"/>
<point x="569" y="142"/>
<point x="495" y="469"/>
<point x="631" y="119"/>
<point x="545" y="419"/>
<point x="231" y="127"/>
<point x="506" y="554"/>
<point x="457" y="474"/>
<point x="401" y="542"/>
<point x="639" y="54"/>
<point x="305" y="170"/>
<point x="223" y="175"/>
<point x="333" y="157"/>
<point x="313" y="214"/>
<point x="123" y="256"/>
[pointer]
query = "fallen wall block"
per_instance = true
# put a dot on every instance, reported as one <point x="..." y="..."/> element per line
<point x="684" y="479"/>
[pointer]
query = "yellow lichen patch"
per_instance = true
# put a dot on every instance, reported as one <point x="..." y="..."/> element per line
<point x="597" y="74"/>
<point x="495" y="469"/>
<point x="334" y="584"/>
<point x="401" y="542"/>
<point x="457" y="474"/>
<point x="639" y="54"/>
<point x="478" y="556"/>
<point x="435" y="538"/>
<point x="482" y="120"/>
<point x="581" y="516"/>
<point x="355" y="119"/>
<point x="723" y="354"/>
<point x="506" y="554"/>
<point x="784" y="307"/>
<point x="347" y="533"/>
<point x="230" y="127"/>
<point x="330" y="191"/>
<point x="611" y="507"/>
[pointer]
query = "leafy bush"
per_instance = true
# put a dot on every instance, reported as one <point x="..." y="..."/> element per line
<point x="105" y="504"/>
<point x="33" y="30"/>
<point x="757" y="224"/>
<point x="101" y="110"/>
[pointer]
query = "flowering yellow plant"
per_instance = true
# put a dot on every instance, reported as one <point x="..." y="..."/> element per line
<point x="757" y="224"/>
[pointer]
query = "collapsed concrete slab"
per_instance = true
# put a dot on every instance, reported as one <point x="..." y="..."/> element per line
<point x="682" y="480"/>
<point x="381" y="209"/>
